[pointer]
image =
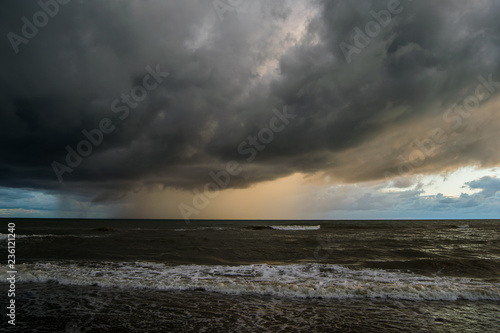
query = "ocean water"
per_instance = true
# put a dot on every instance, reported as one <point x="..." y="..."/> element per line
<point x="254" y="276"/>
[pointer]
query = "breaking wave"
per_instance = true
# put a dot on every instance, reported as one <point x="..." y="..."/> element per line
<point x="298" y="280"/>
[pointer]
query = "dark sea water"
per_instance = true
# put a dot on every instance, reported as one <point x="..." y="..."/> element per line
<point x="254" y="276"/>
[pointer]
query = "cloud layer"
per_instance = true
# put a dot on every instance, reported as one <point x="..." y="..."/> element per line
<point x="385" y="112"/>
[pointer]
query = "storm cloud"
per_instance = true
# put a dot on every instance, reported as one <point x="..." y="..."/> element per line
<point x="394" y="106"/>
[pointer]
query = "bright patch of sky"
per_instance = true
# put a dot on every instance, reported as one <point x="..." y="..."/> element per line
<point x="453" y="184"/>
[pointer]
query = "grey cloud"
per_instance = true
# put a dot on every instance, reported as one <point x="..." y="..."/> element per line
<point x="65" y="79"/>
<point x="345" y="199"/>
<point x="489" y="186"/>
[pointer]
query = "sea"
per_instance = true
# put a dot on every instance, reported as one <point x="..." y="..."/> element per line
<point x="252" y="276"/>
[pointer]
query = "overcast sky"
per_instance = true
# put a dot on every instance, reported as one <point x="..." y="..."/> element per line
<point x="250" y="109"/>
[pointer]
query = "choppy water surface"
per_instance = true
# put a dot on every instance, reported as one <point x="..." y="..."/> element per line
<point x="212" y="276"/>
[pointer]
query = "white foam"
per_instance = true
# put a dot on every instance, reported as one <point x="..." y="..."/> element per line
<point x="298" y="280"/>
<point x="203" y="228"/>
<point x="18" y="236"/>
<point x="296" y="227"/>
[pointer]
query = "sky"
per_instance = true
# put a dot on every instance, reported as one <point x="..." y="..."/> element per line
<point x="243" y="109"/>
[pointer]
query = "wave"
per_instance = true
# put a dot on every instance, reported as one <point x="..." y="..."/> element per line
<point x="18" y="236"/>
<point x="298" y="280"/>
<point x="295" y="227"/>
<point x="4" y="236"/>
<point x="203" y="229"/>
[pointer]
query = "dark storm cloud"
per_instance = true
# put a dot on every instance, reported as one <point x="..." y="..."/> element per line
<point x="429" y="58"/>
<point x="9" y="195"/>
<point x="220" y="90"/>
